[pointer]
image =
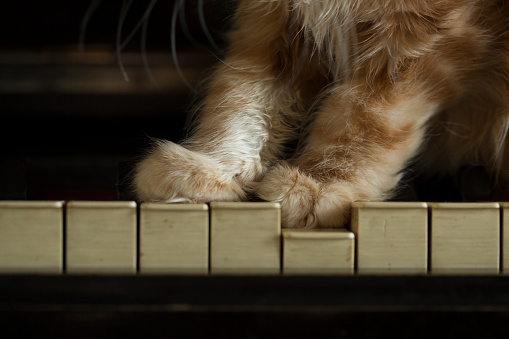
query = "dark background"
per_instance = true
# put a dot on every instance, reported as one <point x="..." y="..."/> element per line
<point x="70" y="123"/>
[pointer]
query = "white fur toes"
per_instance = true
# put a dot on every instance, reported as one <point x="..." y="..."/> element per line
<point x="172" y="173"/>
<point x="305" y="203"/>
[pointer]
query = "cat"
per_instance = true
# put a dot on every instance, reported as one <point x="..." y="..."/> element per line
<point x="366" y="87"/>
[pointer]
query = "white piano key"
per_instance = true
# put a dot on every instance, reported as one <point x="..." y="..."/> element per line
<point x="31" y="236"/>
<point x="101" y="237"/>
<point x="391" y="237"/>
<point x="465" y="238"/>
<point x="174" y="238"/>
<point x="505" y="237"/>
<point x="318" y="251"/>
<point x="245" y="238"/>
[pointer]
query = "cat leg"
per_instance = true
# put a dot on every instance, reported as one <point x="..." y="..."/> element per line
<point x="238" y="133"/>
<point x="356" y="149"/>
<point x="244" y="120"/>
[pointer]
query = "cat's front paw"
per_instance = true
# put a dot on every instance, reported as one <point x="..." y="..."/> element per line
<point x="305" y="202"/>
<point x="172" y="173"/>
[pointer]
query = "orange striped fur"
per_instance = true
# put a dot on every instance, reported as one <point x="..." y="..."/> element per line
<point x="368" y="86"/>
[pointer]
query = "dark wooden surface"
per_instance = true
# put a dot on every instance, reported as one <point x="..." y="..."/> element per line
<point x="254" y="293"/>
<point x="255" y="306"/>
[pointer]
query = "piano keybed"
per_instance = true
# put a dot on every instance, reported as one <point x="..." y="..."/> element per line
<point x="121" y="237"/>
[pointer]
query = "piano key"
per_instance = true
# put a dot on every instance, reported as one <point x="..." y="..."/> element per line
<point x="174" y="238"/>
<point x="465" y="238"/>
<point x="31" y="236"/>
<point x="504" y="237"/>
<point x="318" y="251"/>
<point x="245" y="238"/>
<point x="101" y="237"/>
<point x="391" y="237"/>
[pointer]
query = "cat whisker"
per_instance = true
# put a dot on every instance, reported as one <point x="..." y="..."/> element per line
<point x="126" y="4"/>
<point x="204" y="28"/>
<point x="121" y="44"/>
<point x="84" y="23"/>
<point x="176" y="9"/>
<point x="184" y="27"/>
<point x="143" y="47"/>
<point x="144" y="19"/>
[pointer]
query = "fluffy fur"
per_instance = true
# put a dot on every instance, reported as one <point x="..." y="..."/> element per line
<point x="367" y="85"/>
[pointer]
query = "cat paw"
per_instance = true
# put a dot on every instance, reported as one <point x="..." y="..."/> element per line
<point x="172" y="173"/>
<point x="305" y="202"/>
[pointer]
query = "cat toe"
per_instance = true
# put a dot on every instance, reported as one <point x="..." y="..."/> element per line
<point x="296" y="193"/>
<point x="172" y="173"/>
<point x="305" y="203"/>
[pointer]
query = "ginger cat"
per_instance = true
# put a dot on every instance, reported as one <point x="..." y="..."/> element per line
<point x="366" y="86"/>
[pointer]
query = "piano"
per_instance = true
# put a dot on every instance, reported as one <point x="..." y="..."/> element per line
<point x="73" y="129"/>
